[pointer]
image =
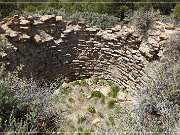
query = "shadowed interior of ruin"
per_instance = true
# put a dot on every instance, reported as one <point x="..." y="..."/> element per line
<point x="50" y="48"/>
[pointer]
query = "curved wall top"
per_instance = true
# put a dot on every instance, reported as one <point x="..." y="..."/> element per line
<point x="49" y="47"/>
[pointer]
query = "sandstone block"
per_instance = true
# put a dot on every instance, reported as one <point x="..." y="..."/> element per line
<point x="45" y="18"/>
<point x="105" y="90"/>
<point x="163" y="36"/>
<point x="24" y="37"/>
<point x="118" y="27"/>
<point x="169" y="26"/>
<point x="178" y="29"/>
<point x="15" y="19"/>
<point x="37" y="39"/>
<point x="129" y="30"/>
<point x="2" y="54"/>
<point x="59" y="18"/>
<point x="144" y="48"/>
<point x="30" y="18"/>
<point x="24" y="22"/>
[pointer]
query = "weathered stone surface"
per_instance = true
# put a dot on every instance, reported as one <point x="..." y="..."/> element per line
<point x="105" y="90"/>
<point x="3" y="54"/>
<point x="29" y="18"/>
<point x="129" y="30"/>
<point x="65" y="85"/>
<point x="15" y="19"/>
<point x="169" y="26"/>
<point x="24" y="28"/>
<point x="160" y="54"/>
<point x="59" y="18"/>
<point x="178" y="29"/>
<point x="37" y="39"/>
<point x="154" y="33"/>
<point x="24" y="22"/>
<point x="96" y="121"/>
<point x="56" y="92"/>
<point x="67" y="51"/>
<point x="13" y="34"/>
<point x="45" y="18"/>
<point x="121" y="96"/>
<point x="118" y="27"/>
<point x="24" y="37"/>
<point x="163" y="36"/>
<point x="38" y="23"/>
<point x="144" y="48"/>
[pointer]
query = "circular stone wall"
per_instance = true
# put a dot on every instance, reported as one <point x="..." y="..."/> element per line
<point x="51" y="48"/>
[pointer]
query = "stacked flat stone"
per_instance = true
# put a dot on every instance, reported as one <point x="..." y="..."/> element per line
<point x="51" y="48"/>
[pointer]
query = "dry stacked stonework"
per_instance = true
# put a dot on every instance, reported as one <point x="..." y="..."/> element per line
<point x="50" y="47"/>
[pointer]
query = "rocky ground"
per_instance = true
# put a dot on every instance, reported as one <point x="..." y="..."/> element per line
<point x="93" y="104"/>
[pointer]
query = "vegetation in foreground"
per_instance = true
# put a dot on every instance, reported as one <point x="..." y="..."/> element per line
<point x="80" y="106"/>
<point x="28" y="106"/>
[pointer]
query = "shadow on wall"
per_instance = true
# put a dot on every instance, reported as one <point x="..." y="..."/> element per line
<point x="50" y="48"/>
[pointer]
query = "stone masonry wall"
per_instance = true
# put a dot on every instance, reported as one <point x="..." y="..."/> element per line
<point x="51" y="48"/>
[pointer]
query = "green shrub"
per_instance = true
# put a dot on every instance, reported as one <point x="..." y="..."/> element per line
<point x="91" y="109"/>
<point x="50" y="11"/>
<point x="66" y="91"/>
<point x="161" y="97"/>
<point x="111" y="120"/>
<point x="71" y="100"/>
<point x="96" y="80"/>
<point x="21" y="102"/>
<point x="100" y="114"/>
<point x="84" y="83"/>
<point x="31" y="8"/>
<point x="114" y="90"/>
<point x="111" y="103"/>
<point x="7" y="47"/>
<point x="97" y="94"/>
<point x="94" y="19"/>
<point x="81" y="119"/>
<point x="144" y="19"/>
<point x="176" y="12"/>
<point x="156" y="129"/>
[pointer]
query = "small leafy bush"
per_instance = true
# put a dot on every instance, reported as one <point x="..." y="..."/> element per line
<point x="114" y="90"/>
<point x="160" y="99"/>
<point x="71" y="100"/>
<point x="91" y="109"/>
<point x="50" y="11"/>
<point x="100" y="114"/>
<point x="22" y="100"/>
<point x="7" y="47"/>
<point x="94" y="19"/>
<point x="144" y="19"/>
<point x="176" y="12"/>
<point x="111" y="120"/>
<point x="81" y="119"/>
<point x="97" y="94"/>
<point x="66" y="91"/>
<point x="111" y="103"/>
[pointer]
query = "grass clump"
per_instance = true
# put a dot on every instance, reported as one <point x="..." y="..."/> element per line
<point x="97" y="94"/>
<point x="81" y="119"/>
<point x="111" y="103"/>
<point x="157" y="129"/>
<point x="111" y="120"/>
<point x="71" y="100"/>
<point x="114" y="90"/>
<point x="66" y="91"/>
<point x="91" y="109"/>
<point x="100" y="114"/>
